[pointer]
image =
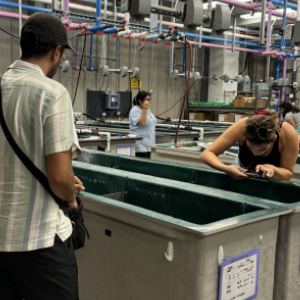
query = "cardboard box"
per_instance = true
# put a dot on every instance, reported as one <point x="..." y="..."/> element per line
<point x="226" y="117"/>
<point x="261" y="104"/>
<point x="206" y="116"/>
<point x="242" y="101"/>
<point x="237" y="117"/>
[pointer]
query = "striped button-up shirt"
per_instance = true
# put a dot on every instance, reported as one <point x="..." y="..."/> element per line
<point x="38" y="113"/>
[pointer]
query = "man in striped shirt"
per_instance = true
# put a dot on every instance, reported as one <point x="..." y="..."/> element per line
<point x="37" y="260"/>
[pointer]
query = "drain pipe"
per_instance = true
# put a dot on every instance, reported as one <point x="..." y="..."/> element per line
<point x="108" y="139"/>
<point x="91" y="52"/>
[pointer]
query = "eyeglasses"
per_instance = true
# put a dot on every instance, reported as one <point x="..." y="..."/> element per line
<point x="263" y="132"/>
<point x="148" y="99"/>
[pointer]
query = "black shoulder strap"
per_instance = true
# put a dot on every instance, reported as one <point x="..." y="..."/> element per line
<point x="37" y="173"/>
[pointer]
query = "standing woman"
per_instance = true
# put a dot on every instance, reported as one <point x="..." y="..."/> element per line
<point x="142" y="123"/>
<point x="291" y="114"/>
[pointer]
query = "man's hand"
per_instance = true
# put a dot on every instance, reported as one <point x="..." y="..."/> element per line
<point x="73" y="204"/>
<point x="78" y="185"/>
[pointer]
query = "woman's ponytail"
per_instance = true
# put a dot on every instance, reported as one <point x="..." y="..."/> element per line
<point x="134" y="101"/>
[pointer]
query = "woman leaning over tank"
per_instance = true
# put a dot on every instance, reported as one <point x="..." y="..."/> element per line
<point x="264" y="147"/>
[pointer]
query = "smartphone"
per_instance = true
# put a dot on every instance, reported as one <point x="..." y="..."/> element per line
<point x="253" y="174"/>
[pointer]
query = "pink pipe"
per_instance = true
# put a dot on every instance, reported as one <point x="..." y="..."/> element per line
<point x="66" y="11"/>
<point x="248" y="6"/>
<point x="208" y="45"/>
<point x="75" y="26"/>
<point x="264" y="53"/>
<point x="255" y="7"/>
<point x="12" y="15"/>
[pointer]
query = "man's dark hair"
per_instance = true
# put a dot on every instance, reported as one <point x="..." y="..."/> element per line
<point x="140" y="96"/>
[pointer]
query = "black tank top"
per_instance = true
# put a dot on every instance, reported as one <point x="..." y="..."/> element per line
<point x="249" y="161"/>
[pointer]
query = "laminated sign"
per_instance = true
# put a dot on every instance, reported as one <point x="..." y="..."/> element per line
<point x="136" y="82"/>
<point x="239" y="277"/>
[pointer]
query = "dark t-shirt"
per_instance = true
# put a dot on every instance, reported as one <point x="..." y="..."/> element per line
<point x="249" y="161"/>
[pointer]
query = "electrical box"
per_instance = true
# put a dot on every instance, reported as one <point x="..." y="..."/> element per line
<point x="113" y="100"/>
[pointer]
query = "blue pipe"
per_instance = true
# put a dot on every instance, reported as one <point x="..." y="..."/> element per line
<point x="25" y="7"/>
<point x="281" y="3"/>
<point x="281" y="44"/>
<point x="244" y="29"/>
<point x="110" y="30"/>
<point x="98" y="12"/>
<point x="211" y="38"/>
<point x="288" y="44"/>
<point x="91" y="51"/>
<point x="95" y="29"/>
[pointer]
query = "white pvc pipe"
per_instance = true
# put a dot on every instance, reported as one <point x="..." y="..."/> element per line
<point x="108" y="139"/>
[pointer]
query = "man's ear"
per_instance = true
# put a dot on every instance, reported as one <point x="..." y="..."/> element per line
<point x="56" y="53"/>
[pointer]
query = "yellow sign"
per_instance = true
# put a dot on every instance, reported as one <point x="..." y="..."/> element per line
<point x="136" y="82"/>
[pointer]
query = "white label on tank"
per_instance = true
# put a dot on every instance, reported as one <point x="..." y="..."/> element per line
<point x="124" y="150"/>
<point x="239" y="277"/>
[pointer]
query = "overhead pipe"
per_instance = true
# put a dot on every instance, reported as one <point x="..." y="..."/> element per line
<point x="216" y="39"/>
<point x="209" y="45"/>
<point x="119" y="15"/>
<point x="75" y="26"/>
<point x="281" y="3"/>
<point x="255" y="7"/>
<point x="168" y="11"/>
<point x="12" y="15"/>
<point x="25" y="7"/>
